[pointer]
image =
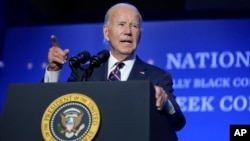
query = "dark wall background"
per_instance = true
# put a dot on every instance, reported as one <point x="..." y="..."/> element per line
<point x="33" y="12"/>
<point x="47" y="12"/>
<point x="2" y="21"/>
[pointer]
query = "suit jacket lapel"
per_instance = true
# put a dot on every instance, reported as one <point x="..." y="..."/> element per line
<point x="138" y="71"/>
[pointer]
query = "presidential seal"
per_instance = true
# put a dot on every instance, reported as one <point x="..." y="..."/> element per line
<point x="71" y="117"/>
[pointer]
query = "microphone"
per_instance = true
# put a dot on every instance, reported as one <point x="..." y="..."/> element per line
<point x="76" y="61"/>
<point x="95" y="61"/>
<point x="101" y="57"/>
<point x="81" y="58"/>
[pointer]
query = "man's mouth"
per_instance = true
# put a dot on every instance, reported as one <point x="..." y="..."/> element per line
<point x="126" y="41"/>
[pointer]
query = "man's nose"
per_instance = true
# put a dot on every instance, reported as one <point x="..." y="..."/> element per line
<point x="127" y="30"/>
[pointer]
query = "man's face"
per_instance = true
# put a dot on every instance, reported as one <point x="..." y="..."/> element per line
<point x="123" y="31"/>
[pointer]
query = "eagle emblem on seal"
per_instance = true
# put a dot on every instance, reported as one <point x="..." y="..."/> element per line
<point x="71" y="121"/>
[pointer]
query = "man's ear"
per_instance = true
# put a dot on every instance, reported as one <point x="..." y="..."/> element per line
<point x="105" y="32"/>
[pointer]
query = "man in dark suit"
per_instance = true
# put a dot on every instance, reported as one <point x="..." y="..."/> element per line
<point x="122" y="29"/>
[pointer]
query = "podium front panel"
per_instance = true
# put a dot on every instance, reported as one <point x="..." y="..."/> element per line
<point x="125" y="109"/>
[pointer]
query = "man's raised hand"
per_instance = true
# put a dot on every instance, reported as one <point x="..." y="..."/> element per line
<point x="56" y="56"/>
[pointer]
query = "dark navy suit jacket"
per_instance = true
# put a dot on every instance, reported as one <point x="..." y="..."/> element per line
<point x="157" y="76"/>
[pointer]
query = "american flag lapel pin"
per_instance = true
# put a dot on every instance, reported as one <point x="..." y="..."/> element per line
<point x="142" y="72"/>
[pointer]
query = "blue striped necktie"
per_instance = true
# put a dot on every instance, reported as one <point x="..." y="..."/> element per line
<point x="115" y="74"/>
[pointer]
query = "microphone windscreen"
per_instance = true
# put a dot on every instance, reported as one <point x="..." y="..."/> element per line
<point x="103" y="55"/>
<point x="83" y="57"/>
<point x="100" y="58"/>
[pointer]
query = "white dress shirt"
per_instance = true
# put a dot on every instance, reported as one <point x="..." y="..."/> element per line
<point x="51" y="76"/>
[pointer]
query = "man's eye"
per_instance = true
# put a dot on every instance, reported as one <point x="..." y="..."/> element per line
<point x="121" y="24"/>
<point x="135" y="26"/>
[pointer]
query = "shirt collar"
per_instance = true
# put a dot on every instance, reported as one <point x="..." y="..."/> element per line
<point x="128" y="62"/>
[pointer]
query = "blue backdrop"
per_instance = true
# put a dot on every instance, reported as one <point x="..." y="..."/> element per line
<point x="209" y="61"/>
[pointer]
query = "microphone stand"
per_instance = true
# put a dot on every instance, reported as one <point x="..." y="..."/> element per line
<point x="73" y="64"/>
<point x="88" y="73"/>
<point x="95" y="62"/>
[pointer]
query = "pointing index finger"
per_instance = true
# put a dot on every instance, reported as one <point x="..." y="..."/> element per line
<point x="54" y="41"/>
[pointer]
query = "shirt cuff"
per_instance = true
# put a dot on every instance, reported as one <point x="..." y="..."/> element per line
<point x="169" y="107"/>
<point x="51" y="76"/>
